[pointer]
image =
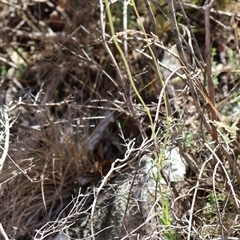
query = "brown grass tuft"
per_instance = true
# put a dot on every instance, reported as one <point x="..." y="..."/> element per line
<point x="53" y="168"/>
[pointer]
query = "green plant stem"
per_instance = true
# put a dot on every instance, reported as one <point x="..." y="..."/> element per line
<point x="114" y="38"/>
<point x="166" y="136"/>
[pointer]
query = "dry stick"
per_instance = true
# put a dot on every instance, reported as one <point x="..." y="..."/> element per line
<point x="216" y="200"/>
<point x="232" y="163"/>
<point x="150" y="216"/>
<point x="183" y="61"/>
<point x="59" y="224"/>
<point x="176" y="31"/>
<point x="7" y="134"/>
<point x="153" y="27"/>
<point x="114" y="167"/>
<point x="223" y="13"/>
<point x="192" y="35"/>
<point x="211" y="89"/>
<point x="14" y="5"/>
<point x="125" y="22"/>
<point x="3" y="232"/>
<point x="153" y="24"/>
<point x="226" y="176"/>
<point x="194" y="199"/>
<point x="102" y="24"/>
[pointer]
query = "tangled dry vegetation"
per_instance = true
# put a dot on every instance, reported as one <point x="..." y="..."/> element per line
<point x="76" y="90"/>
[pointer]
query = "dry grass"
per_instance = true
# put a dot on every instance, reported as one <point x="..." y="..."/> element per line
<point x="53" y="168"/>
<point x="67" y="98"/>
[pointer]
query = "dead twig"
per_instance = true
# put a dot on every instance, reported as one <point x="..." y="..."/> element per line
<point x="7" y="135"/>
<point x="123" y="162"/>
<point x="211" y="87"/>
<point x="3" y="232"/>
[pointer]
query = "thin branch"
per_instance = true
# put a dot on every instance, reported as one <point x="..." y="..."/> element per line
<point x="7" y="135"/>
<point x="125" y="26"/>
<point x="103" y="23"/>
<point x="194" y="198"/>
<point x="211" y="88"/>
<point x="3" y="232"/>
<point x="176" y="31"/>
<point x="114" y="167"/>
